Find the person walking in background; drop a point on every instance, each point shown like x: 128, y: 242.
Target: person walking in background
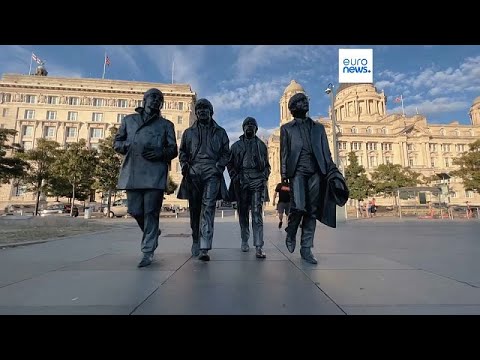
x: 283, y: 205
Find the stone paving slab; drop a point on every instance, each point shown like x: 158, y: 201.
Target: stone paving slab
x: 365, y: 267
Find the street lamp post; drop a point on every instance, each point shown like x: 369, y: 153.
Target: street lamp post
x: 330, y: 90
x: 341, y: 214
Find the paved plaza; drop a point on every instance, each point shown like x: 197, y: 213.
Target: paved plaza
x: 370, y: 266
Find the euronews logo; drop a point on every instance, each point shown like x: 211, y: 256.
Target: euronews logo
x: 355, y: 65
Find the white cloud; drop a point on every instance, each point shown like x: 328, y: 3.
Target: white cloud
x: 384, y: 84
x: 449, y: 80
x: 435, y: 106
x: 124, y: 54
x: 393, y: 75
x: 15, y: 59
x: 256, y: 94
x: 252, y: 57
x: 188, y: 62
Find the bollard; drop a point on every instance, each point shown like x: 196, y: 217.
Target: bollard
x: 235, y: 214
x: 176, y: 215
x: 222, y: 214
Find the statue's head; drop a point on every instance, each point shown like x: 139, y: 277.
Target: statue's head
x: 249, y: 127
x: 203, y: 110
x: 298, y: 105
x: 153, y: 100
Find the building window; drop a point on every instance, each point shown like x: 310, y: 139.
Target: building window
x: 373, y: 161
x: 122, y: 103
x: 442, y: 132
x: 342, y: 145
x: 7, y: 97
x: 71, y: 132
x: 356, y: 146
x: 98, y: 102
x: 369, y: 130
x: 411, y: 162
x: 410, y: 147
x: 432, y: 147
x: 29, y: 114
x: 72, y: 115
x: 453, y: 194
x: 180, y: 120
x: 372, y: 146
x: 179, y: 134
x: 20, y: 190
x: 49, y: 131
x: 432, y: 162
x: 388, y: 160
x: 27, y: 145
x: 52, y: 100
x: 120, y: 117
x: 354, y: 130
x: 5, y: 112
x: 96, y: 133
x: 386, y: 146
x: 384, y: 130
x: 97, y: 117
x: 27, y: 131
x: 73, y: 101
x: 31, y: 99
x: 460, y: 147
x: 469, y: 194
x: 51, y: 115
x: 138, y: 103
x: 447, y: 162
x: 445, y: 147
x: 180, y: 105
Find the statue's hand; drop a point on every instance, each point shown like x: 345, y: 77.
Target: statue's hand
x: 286, y: 181
x: 338, y: 184
x: 185, y: 169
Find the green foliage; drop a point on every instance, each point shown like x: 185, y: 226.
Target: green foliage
x: 357, y: 180
x: 469, y: 170
x: 11, y: 167
x: 171, y: 185
x: 389, y: 177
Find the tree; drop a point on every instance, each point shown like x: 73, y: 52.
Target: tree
x: 387, y: 178
x: 59, y: 187
x: 171, y: 185
x: 469, y: 171
x: 108, y: 166
x: 41, y: 160
x: 10, y: 167
x: 77, y: 165
x: 357, y: 181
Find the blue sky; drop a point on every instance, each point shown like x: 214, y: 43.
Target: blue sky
x: 248, y: 80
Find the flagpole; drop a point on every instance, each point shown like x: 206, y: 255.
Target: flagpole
x: 173, y: 68
x: 31, y: 60
x: 403, y: 110
x: 104, y: 65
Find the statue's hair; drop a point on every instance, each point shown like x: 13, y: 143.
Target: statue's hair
x: 204, y: 102
x: 294, y: 99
